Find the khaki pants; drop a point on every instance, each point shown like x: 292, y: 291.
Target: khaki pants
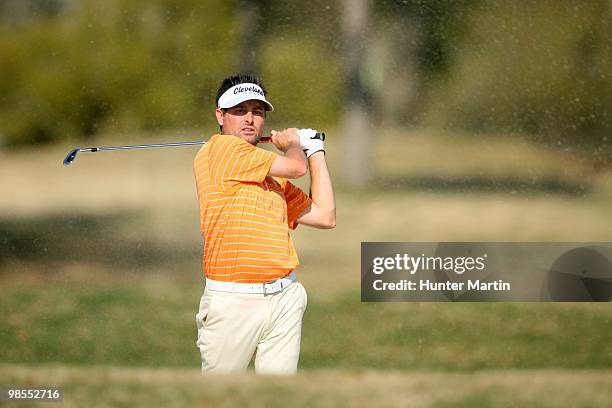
x: 233, y: 326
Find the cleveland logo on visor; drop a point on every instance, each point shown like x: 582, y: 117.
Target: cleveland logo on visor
x: 239, y: 89
x: 243, y: 92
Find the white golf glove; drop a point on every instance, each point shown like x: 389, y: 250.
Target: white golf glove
x: 309, y: 143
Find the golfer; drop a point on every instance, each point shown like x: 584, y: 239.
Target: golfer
x: 253, y: 302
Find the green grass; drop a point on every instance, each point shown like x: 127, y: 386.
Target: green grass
x: 136, y: 326
x: 97, y: 325
x: 456, y: 336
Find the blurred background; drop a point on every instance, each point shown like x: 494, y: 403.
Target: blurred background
x: 465, y: 120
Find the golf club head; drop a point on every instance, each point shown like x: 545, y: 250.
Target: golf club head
x: 71, y: 156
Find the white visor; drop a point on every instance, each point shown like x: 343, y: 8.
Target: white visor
x: 243, y: 92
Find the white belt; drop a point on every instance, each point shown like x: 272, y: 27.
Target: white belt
x: 266, y: 288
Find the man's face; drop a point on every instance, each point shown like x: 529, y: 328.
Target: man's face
x: 245, y: 120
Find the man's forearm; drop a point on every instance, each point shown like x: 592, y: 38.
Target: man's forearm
x: 298, y: 160
x: 321, y: 191
x: 291, y: 165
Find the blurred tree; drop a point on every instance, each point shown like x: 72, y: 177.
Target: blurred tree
x: 118, y: 65
x: 250, y: 26
x: 72, y: 69
x: 114, y: 65
x: 356, y: 127
x: 395, y: 51
x: 297, y: 55
x: 419, y: 39
x: 18, y: 12
x: 541, y: 68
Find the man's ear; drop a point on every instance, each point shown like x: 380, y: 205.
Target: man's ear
x: 219, y: 115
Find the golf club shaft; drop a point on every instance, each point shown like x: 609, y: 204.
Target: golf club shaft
x: 143, y: 146
x: 72, y: 154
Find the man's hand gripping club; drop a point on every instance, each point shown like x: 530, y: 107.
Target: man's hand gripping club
x: 293, y: 164
x: 311, y: 141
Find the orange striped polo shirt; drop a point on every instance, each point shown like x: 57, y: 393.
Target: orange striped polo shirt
x: 245, y: 214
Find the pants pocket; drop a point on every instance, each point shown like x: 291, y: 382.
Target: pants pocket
x: 203, y: 312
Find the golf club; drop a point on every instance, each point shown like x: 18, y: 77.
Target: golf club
x: 73, y: 153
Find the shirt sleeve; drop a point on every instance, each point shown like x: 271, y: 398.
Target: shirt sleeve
x: 234, y: 161
x: 297, y: 201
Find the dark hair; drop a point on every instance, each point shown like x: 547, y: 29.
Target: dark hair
x: 236, y: 79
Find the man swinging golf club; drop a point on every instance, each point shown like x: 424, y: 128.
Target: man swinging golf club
x: 253, y: 302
